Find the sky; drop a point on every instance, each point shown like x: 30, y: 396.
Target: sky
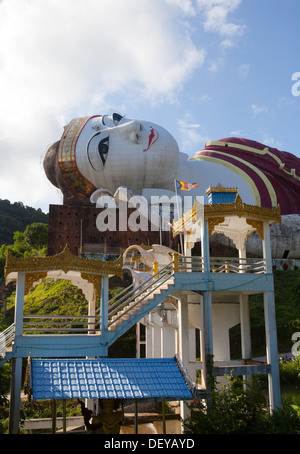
x: 202, y: 69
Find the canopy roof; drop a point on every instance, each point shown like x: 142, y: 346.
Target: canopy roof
x: 232, y: 219
x: 110, y: 378
x: 65, y: 261
x: 82, y: 272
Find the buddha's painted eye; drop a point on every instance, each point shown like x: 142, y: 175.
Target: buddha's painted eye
x: 103, y: 149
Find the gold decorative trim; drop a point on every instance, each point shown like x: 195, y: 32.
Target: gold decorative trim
x: 94, y: 279
x: 65, y: 261
x: 220, y: 188
x: 258, y: 225
x: 217, y: 210
x: 31, y: 278
x: 241, y: 209
x: 212, y: 222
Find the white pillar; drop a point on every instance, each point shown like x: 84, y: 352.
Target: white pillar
x: 205, y: 245
x: 156, y: 342
x: 167, y: 341
x: 267, y: 255
x: 206, y: 316
x: 183, y: 328
x: 272, y: 350
x: 271, y: 328
x: 15, y: 396
x: 192, y: 354
x: 245, y: 327
x: 16, y: 381
x: 104, y: 304
x: 90, y: 403
x: 149, y: 341
x: 91, y: 313
x: 207, y: 323
x: 19, y: 304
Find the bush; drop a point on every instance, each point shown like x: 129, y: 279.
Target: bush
x: 235, y: 409
x: 290, y: 372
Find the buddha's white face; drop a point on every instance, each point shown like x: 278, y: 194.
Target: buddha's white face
x: 114, y: 151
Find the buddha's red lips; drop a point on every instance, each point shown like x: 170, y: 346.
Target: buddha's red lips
x: 152, y: 138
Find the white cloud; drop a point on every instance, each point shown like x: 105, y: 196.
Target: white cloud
x: 191, y: 137
x: 262, y: 109
x: 60, y: 59
x: 270, y: 141
x: 186, y: 6
x: 216, y: 14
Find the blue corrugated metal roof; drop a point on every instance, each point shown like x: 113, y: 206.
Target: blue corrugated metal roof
x: 107, y: 378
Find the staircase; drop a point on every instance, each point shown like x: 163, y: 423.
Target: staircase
x: 6, y: 341
x: 124, y: 311
x: 133, y: 303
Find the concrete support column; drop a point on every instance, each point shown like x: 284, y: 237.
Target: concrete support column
x: 91, y: 313
x: 183, y: 331
x: 267, y: 255
x: 149, y: 341
x: 207, y: 334
x: 156, y: 342
x: 16, y: 377
x: 205, y: 246
x: 104, y: 304
x: 272, y: 351
x: 245, y: 327
x: 19, y: 304
x: 245, y: 315
x: 90, y: 403
x: 206, y: 306
x: 271, y: 328
x: 167, y: 341
x: 183, y: 328
x: 15, y: 396
x: 192, y: 353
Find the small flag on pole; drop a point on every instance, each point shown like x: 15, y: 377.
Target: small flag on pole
x: 169, y: 224
x: 186, y: 186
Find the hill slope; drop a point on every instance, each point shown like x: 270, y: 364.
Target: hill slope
x: 15, y: 217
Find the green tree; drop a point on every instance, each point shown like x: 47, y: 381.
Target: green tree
x: 36, y: 235
x: 15, y: 217
x: 31, y: 243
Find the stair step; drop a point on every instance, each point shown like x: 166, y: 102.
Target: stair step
x: 139, y: 303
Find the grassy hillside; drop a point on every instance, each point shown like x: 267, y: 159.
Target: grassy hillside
x: 63, y: 298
